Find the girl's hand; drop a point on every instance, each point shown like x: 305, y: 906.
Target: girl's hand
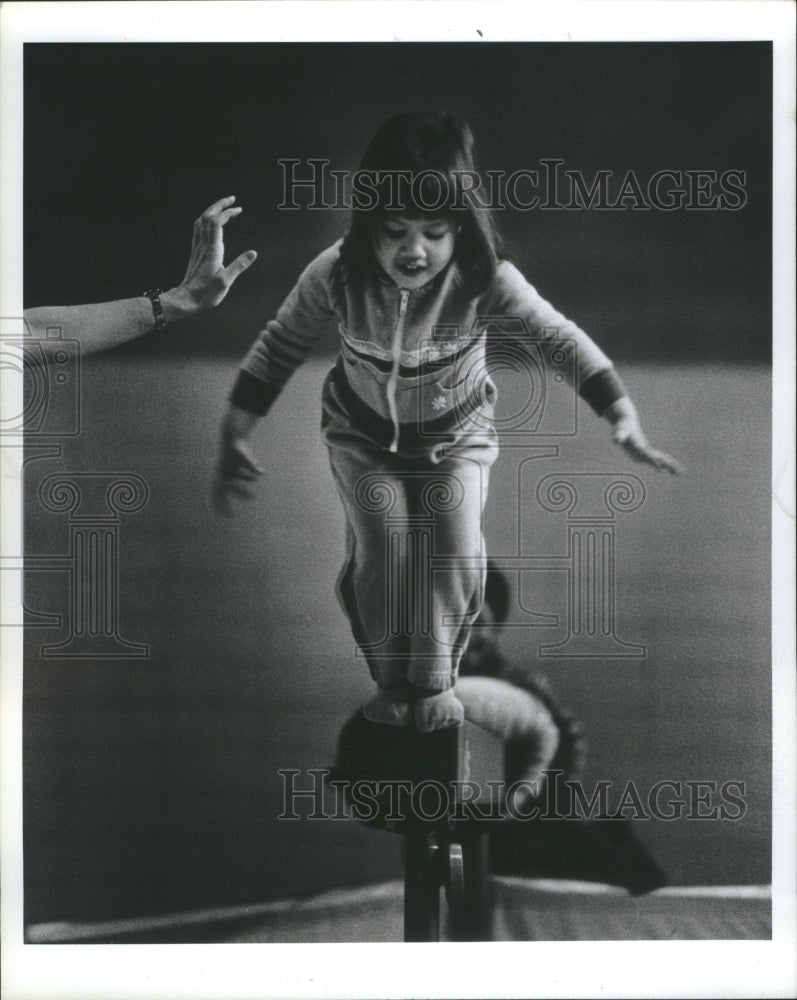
x: 634, y: 442
x: 629, y: 435
x: 237, y: 467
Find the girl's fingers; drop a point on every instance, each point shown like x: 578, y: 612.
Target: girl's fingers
x: 237, y: 479
x: 249, y: 475
x: 222, y: 493
x: 247, y: 465
x: 659, y: 460
x: 642, y: 452
x: 239, y: 463
x: 220, y: 501
x: 233, y: 486
x: 669, y: 463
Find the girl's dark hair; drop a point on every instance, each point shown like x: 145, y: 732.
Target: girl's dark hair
x: 415, y: 144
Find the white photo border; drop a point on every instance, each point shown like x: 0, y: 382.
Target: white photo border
x: 616, y: 969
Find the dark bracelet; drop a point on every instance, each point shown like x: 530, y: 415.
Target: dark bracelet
x: 154, y: 296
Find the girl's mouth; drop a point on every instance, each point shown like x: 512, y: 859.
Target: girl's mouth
x: 411, y: 268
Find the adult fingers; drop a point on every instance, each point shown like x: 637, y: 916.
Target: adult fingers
x: 224, y: 217
x: 208, y: 244
x: 217, y: 207
x: 216, y: 216
x: 238, y: 266
x: 207, y: 228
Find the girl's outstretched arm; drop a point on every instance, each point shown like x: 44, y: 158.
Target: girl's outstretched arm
x: 278, y: 350
x: 598, y: 383
x: 629, y: 435
x: 236, y: 469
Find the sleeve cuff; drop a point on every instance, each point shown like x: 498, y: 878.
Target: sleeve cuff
x: 252, y: 394
x: 602, y: 389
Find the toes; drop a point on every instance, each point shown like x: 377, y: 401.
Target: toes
x: 387, y: 711
x: 440, y: 711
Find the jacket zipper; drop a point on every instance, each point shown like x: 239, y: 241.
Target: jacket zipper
x: 392, y: 382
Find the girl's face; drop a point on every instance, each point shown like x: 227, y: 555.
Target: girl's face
x: 413, y: 251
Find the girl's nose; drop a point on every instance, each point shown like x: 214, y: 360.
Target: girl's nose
x: 412, y: 245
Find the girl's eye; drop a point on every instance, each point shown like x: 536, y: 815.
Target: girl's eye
x: 397, y: 232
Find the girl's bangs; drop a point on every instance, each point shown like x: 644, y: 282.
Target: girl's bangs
x: 429, y: 194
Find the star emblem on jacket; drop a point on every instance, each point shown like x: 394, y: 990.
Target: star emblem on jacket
x: 439, y: 403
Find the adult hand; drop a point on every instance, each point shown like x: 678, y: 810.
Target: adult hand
x: 207, y: 280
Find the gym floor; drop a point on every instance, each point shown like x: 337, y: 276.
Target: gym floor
x: 152, y: 785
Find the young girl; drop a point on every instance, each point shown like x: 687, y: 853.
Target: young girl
x: 408, y: 407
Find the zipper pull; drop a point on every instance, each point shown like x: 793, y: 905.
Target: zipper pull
x: 405, y: 297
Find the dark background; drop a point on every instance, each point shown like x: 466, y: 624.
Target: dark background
x: 126, y: 144
x: 152, y: 786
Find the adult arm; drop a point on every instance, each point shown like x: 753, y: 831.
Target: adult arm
x: 99, y: 326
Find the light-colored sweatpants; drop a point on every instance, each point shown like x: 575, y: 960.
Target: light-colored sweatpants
x: 413, y: 579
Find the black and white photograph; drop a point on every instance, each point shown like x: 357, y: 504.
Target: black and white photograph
x: 398, y: 485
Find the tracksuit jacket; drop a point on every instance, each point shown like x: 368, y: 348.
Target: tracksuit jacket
x: 416, y: 359
x: 409, y: 407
